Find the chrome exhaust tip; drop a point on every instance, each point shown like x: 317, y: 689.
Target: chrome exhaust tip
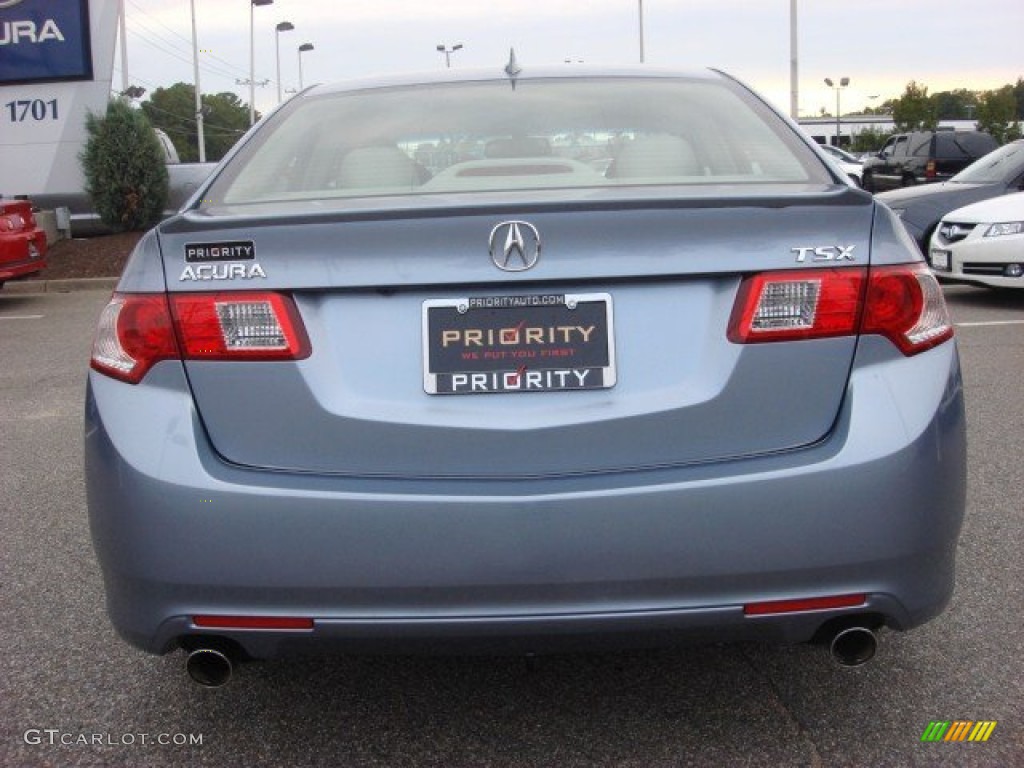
x: 209, y: 667
x: 853, y: 646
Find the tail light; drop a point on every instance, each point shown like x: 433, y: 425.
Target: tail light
x: 138, y: 330
x: 929, y: 170
x: 904, y: 303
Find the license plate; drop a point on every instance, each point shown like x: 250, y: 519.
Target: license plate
x: 515, y: 344
x: 940, y: 260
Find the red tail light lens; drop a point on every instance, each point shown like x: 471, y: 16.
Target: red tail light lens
x: 804, y: 304
x: 134, y: 332
x: 138, y: 330
x: 904, y: 303
x: 239, y: 326
x: 929, y: 170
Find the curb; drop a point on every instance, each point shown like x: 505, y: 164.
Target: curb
x: 61, y: 286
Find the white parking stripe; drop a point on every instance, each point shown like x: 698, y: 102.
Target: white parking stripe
x: 21, y: 317
x: 989, y: 323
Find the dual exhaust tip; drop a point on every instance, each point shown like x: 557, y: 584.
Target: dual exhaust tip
x: 853, y: 646
x: 209, y: 667
x: 849, y: 647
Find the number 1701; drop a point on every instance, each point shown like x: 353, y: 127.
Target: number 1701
x: 35, y: 109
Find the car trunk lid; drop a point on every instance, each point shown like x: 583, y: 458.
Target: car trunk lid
x: 658, y: 279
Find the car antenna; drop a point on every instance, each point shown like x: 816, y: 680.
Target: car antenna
x: 512, y: 69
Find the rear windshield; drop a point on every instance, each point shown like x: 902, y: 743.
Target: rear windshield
x: 963, y: 145
x: 541, y: 134
x: 1001, y: 165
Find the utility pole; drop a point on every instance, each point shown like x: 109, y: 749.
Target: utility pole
x: 201, y: 137
x: 794, y: 77
x: 640, y: 4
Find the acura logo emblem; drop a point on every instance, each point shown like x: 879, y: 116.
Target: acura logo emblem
x: 515, y: 246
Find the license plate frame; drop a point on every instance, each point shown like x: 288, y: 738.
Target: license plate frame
x: 513, y: 344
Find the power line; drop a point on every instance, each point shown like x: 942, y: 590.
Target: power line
x: 186, y: 57
x: 193, y: 121
x: 228, y: 70
x: 187, y: 40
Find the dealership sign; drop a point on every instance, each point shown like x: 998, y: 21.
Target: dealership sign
x: 44, y: 40
x: 56, y: 61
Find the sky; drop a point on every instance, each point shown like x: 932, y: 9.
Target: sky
x: 880, y: 45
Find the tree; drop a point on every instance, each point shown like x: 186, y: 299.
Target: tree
x: 124, y: 169
x: 997, y: 114
x: 914, y: 111
x: 955, y: 105
x: 173, y: 110
x: 869, y: 140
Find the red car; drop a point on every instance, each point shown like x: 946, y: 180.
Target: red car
x: 22, y: 242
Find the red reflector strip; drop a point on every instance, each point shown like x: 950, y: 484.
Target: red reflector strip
x: 252, y: 622
x: 806, y: 604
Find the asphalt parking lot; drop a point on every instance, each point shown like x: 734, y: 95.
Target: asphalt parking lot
x: 72, y: 693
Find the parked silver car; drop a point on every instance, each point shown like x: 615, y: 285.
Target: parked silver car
x: 522, y: 362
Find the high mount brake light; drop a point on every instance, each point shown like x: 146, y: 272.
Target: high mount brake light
x: 904, y: 303
x: 138, y: 330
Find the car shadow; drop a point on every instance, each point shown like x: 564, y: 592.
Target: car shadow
x: 982, y: 297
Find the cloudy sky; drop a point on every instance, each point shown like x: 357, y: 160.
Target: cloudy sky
x: 879, y: 44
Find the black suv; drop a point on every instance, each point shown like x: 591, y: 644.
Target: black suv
x: 924, y: 156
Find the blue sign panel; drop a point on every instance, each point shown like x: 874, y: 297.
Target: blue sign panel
x: 44, y: 40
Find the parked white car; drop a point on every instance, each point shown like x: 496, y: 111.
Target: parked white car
x: 851, y: 166
x: 982, y: 243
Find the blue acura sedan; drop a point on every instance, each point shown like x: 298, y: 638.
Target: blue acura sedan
x: 511, y: 362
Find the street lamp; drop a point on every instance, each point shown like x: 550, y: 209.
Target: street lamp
x: 284, y: 26
x: 640, y: 9
x: 442, y: 48
x: 842, y: 84
x: 252, y: 57
x: 302, y: 49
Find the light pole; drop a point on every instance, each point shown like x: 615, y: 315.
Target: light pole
x: 640, y: 9
x: 284, y: 26
x: 442, y: 48
x: 252, y: 56
x: 843, y: 82
x: 302, y: 49
x: 794, y: 59
x: 124, y: 45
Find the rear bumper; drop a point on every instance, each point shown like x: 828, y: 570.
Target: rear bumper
x: 530, y: 565
x: 22, y: 255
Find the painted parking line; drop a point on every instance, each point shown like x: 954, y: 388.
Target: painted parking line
x: 989, y: 323
x: 21, y: 317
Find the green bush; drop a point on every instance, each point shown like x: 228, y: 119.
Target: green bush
x: 124, y: 169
